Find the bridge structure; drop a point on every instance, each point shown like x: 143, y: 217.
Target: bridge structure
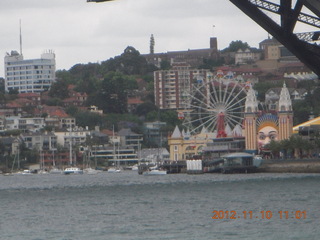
x: 303, y: 45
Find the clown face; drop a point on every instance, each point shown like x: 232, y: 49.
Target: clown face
x: 266, y: 134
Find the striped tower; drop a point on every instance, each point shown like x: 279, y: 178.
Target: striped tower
x: 285, y: 114
x: 250, y: 119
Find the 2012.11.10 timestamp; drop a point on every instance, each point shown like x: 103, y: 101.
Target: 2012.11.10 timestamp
x: 226, y: 214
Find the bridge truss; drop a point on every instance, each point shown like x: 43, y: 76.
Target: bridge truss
x: 302, y: 45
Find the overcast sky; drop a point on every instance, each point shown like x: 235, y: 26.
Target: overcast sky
x: 81, y: 32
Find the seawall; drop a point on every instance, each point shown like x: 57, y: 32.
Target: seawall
x: 290, y: 166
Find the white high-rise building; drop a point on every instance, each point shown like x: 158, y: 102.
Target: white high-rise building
x: 32, y: 75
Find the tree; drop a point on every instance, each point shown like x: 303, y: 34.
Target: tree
x: 112, y: 94
x: 144, y: 108
x: 301, y: 111
x: 165, y: 65
x: 59, y: 89
x: 275, y: 147
x: 88, y: 119
x: 235, y: 46
x: 130, y: 62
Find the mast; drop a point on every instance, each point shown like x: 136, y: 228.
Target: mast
x: 114, y: 146
x: 70, y: 147
x: 20, y: 39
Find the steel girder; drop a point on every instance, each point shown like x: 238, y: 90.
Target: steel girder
x: 306, y: 52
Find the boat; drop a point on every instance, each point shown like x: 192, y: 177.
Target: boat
x: 135, y: 167
x: 24, y: 172
x: 154, y: 172
x: 72, y: 170
x: 90, y: 170
x: 42, y: 171
x: 55, y: 171
x: 114, y: 170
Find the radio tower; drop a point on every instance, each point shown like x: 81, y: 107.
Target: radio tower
x: 20, y: 39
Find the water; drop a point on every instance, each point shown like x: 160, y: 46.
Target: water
x: 130, y: 206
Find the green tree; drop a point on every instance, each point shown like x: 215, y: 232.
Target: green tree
x: 275, y: 147
x: 165, y: 65
x: 130, y: 62
x: 59, y: 89
x: 112, y: 94
x: 144, y: 108
x: 302, y: 111
x: 235, y: 46
x: 88, y: 119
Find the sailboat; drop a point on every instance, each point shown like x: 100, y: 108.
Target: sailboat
x: 42, y: 170
x: 71, y: 169
x: 117, y: 168
x: 17, y: 158
x: 54, y: 169
x: 89, y: 169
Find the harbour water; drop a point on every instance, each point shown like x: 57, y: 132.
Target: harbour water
x: 178, y: 206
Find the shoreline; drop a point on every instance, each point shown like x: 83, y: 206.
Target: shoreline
x: 290, y: 166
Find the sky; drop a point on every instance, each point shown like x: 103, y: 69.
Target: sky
x: 81, y: 32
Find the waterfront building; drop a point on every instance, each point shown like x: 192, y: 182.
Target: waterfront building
x: 153, y: 155
x: 129, y: 138
x: 41, y: 141
x: 30, y: 75
x: 114, y: 155
x: 77, y: 136
x: 205, y: 145
x: 184, y: 146
x: 153, y: 133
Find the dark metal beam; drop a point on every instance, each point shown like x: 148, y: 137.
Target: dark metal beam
x: 278, y: 9
x: 308, y: 53
x: 313, y: 5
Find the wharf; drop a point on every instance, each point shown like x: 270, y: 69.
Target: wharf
x: 267, y: 166
x: 290, y: 166
x: 169, y: 166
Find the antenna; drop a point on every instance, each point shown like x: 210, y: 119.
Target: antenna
x: 20, y: 39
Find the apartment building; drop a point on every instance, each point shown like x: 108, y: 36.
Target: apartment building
x: 24, y: 124
x: 40, y: 141
x: 172, y: 87
x: 32, y: 75
x: 77, y: 136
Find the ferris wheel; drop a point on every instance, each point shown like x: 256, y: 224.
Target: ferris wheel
x: 217, y: 102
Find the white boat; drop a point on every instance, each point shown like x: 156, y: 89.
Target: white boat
x: 135, y: 168
x: 90, y: 171
x: 73, y: 170
x: 155, y: 172
x: 24, y: 172
x: 43, y: 172
x: 55, y: 171
x: 114, y: 170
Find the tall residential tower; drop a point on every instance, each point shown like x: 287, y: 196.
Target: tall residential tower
x: 32, y: 75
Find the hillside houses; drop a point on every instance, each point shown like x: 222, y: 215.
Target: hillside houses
x: 272, y: 96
